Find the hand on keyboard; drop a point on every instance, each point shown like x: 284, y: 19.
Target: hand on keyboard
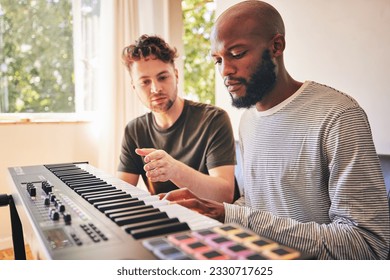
x: 188, y: 199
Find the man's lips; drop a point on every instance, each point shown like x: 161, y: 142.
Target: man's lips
x: 233, y: 87
x: 158, y: 99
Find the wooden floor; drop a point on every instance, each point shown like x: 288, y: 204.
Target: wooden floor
x: 8, y: 254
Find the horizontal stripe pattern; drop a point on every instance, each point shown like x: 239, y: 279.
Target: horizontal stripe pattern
x: 312, y: 178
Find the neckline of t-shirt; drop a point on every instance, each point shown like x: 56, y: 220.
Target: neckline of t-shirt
x: 175, y: 124
x: 282, y: 104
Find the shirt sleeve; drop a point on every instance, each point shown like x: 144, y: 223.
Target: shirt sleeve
x: 221, y: 150
x: 359, y: 214
x: 129, y: 161
x: 240, y: 201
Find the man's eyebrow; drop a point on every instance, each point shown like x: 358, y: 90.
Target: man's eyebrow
x: 158, y: 74
x: 163, y: 72
x: 236, y: 46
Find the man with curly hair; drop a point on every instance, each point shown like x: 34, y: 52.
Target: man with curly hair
x: 179, y: 143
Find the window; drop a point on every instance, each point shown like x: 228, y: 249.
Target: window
x: 44, y: 43
x: 49, y: 54
x: 199, y: 70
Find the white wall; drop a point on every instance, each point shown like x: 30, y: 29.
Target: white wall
x: 23, y: 144
x: 164, y: 19
x: 340, y: 43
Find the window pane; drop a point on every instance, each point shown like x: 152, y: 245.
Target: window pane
x: 86, y: 49
x: 199, y: 71
x: 48, y: 55
x: 36, y: 57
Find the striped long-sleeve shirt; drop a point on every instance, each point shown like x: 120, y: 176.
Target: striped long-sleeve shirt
x: 312, y: 178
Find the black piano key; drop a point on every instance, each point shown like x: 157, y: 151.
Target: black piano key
x: 159, y: 230
x: 133, y: 213
x: 139, y: 218
x: 124, y: 209
x: 86, y: 184
x: 71, y: 169
x: 81, y: 180
x: 81, y: 176
x: 152, y: 223
x: 127, y: 203
x: 80, y: 173
x: 78, y: 177
x: 108, y: 198
x: 71, y: 172
x: 68, y: 175
x: 97, y: 185
x: 67, y: 170
x: 119, y: 200
x: 53, y: 168
x: 91, y: 189
x: 99, y: 192
x: 89, y: 186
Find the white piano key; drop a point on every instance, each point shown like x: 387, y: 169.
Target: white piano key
x: 157, y: 203
x: 194, y: 220
x: 151, y: 198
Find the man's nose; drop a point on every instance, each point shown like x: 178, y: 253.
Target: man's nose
x: 226, y: 68
x: 155, y: 87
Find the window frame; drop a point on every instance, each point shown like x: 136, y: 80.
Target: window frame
x: 80, y: 114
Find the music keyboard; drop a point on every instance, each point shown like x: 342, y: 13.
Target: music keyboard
x: 75, y: 211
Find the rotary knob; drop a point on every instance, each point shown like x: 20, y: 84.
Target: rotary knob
x: 67, y: 218
x: 46, y: 201
x: 54, y: 215
x: 52, y: 197
x: 46, y: 187
x: 60, y: 206
x: 31, y: 189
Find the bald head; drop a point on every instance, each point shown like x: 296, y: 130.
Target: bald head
x: 254, y: 17
x: 247, y: 45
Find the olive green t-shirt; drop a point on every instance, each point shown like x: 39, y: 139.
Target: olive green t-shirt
x: 202, y: 138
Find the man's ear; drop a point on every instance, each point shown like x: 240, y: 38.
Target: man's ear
x: 177, y: 74
x: 278, y: 45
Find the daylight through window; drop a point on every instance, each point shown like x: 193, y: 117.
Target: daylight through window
x: 43, y: 44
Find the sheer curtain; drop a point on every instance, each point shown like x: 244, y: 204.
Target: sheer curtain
x: 117, y: 104
x: 122, y: 22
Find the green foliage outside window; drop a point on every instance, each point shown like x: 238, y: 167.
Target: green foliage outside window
x: 36, y: 56
x: 199, y: 71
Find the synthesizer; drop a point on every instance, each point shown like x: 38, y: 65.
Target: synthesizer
x: 75, y: 211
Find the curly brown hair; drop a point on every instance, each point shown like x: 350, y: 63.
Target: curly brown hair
x: 149, y: 46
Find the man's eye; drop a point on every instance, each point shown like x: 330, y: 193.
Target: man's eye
x: 162, y: 78
x: 217, y: 61
x: 238, y: 55
x: 145, y: 83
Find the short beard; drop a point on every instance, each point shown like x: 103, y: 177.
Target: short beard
x: 259, y: 85
x: 164, y: 107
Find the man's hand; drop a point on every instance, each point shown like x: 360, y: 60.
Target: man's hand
x: 188, y: 199
x: 159, y: 165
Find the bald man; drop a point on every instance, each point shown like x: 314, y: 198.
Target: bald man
x: 312, y: 178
